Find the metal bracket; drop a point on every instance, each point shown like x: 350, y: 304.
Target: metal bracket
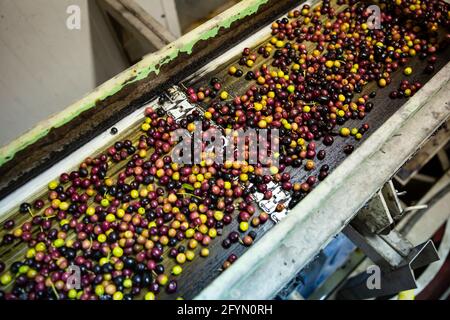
x: 375, y: 216
x: 279, y: 196
x: 379, y: 214
x: 177, y: 104
x: 392, y: 200
x: 396, y: 257
x: 431, y: 148
x: 137, y: 32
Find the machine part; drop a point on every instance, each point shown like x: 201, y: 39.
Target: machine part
x: 374, y: 218
x: 394, y: 254
x: 417, y: 227
x: 388, y: 252
x: 393, y: 278
x: 425, y: 178
x: 427, y: 222
x: 375, y: 215
x: 392, y: 251
x: 356, y: 288
x: 175, y: 94
x: 415, y: 208
x: 278, y: 216
x: 178, y: 105
x: 428, y: 275
x: 420, y: 225
x: 443, y: 159
x: 424, y: 155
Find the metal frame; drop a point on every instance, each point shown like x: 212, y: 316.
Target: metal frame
x: 429, y: 274
x: 435, y: 212
x: 375, y: 216
x: 395, y: 255
x: 417, y: 227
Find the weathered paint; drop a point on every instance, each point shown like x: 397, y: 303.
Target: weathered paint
x: 151, y: 63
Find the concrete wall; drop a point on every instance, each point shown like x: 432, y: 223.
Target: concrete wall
x: 44, y: 66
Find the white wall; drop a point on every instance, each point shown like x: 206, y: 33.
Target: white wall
x: 44, y: 67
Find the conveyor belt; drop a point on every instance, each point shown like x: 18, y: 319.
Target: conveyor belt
x: 199, y: 273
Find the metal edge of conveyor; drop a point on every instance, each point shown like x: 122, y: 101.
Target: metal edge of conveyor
x: 417, y: 227
x: 439, y: 213
x: 428, y: 275
x: 288, y: 247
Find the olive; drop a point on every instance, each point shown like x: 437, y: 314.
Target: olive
x: 25, y: 208
x: 226, y: 243
x: 348, y: 149
x: 172, y: 287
